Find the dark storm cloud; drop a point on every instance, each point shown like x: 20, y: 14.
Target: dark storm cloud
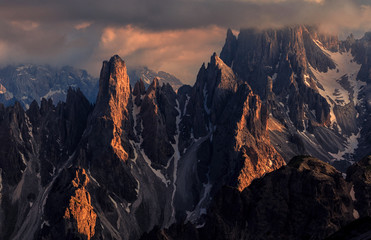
x: 170, y: 35
x: 175, y: 14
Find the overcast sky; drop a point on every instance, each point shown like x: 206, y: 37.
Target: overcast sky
x: 170, y: 35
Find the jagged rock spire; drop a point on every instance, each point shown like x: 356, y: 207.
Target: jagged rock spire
x: 113, y: 81
x: 113, y: 98
x: 229, y: 49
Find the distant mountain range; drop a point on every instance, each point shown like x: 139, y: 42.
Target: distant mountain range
x: 147, y: 75
x: 25, y: 83
x: 226, y: 158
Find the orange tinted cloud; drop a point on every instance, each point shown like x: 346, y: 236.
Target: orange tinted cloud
x: 180, y: 52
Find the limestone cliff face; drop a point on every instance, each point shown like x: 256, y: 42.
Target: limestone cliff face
x: 283, y: 56
x: 80, y: 212
x: 228, y: 122
x: 106, y: 142
x: 112, y: 101
x: 309, y: 82
x: 253, y: 143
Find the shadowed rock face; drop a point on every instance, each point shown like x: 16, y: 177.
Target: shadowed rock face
x: 356, y: 230
x: 36, y: 143
x: 360, y: 175
x: 307, y: 199
x: 236, y: 120
x: 257, y: 54
x: 158, y: 115
x: 227, y: 122
x: 291, y: 69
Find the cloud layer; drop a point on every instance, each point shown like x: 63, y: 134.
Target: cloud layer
x: 171, y: 35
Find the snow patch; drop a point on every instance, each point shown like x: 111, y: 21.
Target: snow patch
x: 355, y: 214
x: 92, y: 178
x: 176, y: 158
x: 158, y: 173
x: 45, y: 223
x: 117, y: 211
x: 350, y: 146
x: 274, y: 77
x: 23, y: 158
x: 186, y: 104
x: 138, y: 188
x: 329, y: 83
x: 51, y: 93
x: 199, y: 210
x: 306, y: 80
x: 127, y: 209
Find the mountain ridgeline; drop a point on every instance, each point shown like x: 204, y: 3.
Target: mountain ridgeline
x: 315, y: 86
x: 27, y: 82
x: 123, y: 166
x: 202, y: 162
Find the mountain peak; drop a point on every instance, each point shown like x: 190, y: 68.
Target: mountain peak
x: 229, y: 49
x: 214, y: 59
x: 113, y: 79
x: 113, y: 98
x: 139, y: 88
x: 230, y: 34
x: 116, y: 58
x: 153, y: 85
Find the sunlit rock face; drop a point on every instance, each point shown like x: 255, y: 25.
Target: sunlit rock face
x: 80, y: 213
x: 253, y: 143
x: 112, y: 102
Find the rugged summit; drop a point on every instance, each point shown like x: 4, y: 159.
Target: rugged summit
x: 315, y: 86
x: 112, y: 105
x: 135, y: 160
